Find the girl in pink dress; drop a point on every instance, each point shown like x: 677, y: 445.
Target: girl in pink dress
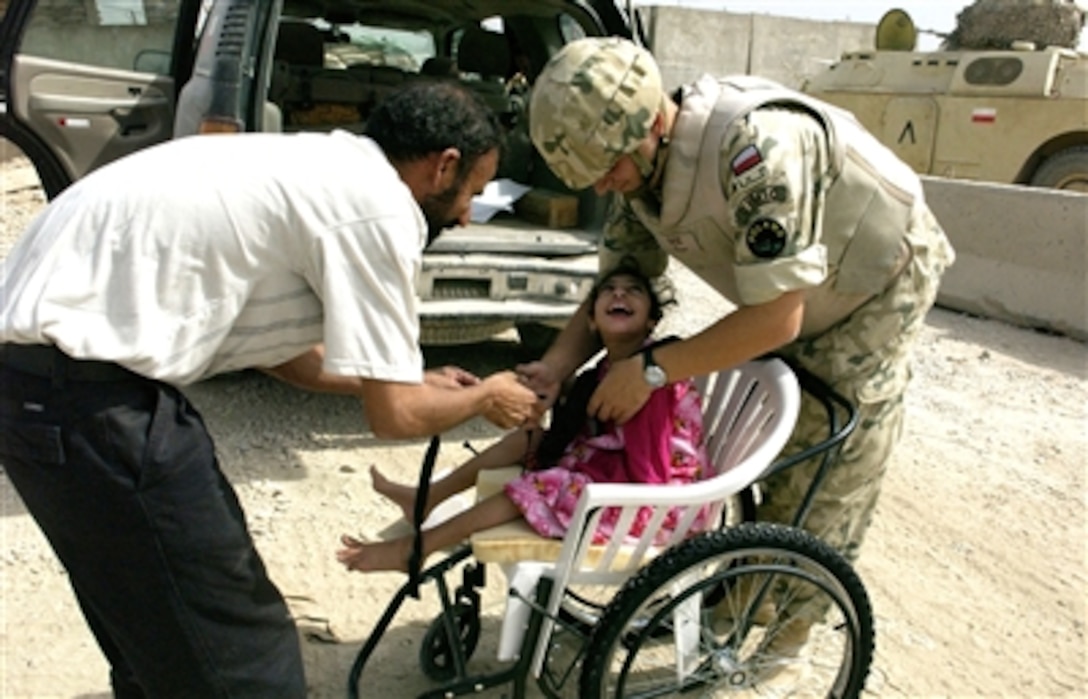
x: 662, y: 443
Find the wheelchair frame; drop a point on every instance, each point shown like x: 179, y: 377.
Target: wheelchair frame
x: 762, y: 551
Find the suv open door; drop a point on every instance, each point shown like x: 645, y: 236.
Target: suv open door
x: 87, y: 81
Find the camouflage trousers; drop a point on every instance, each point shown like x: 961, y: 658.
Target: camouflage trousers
x: 866, y: 358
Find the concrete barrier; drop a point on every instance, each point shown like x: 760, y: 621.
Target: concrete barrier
x: 1022, y: 253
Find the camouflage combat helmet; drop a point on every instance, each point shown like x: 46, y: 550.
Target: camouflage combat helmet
x: 594, y: 102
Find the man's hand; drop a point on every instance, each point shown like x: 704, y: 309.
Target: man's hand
x: 511, y: 402
x: 450, y: 377
x: 621, y: 393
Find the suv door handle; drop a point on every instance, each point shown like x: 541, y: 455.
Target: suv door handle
x: 93, y: 105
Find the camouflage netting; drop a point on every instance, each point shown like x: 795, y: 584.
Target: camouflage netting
x: 995, y: 24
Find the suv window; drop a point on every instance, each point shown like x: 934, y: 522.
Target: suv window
x: 358, y: 44
x: 124, y: 34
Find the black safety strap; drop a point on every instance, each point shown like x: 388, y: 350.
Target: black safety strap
x: 415, y: 559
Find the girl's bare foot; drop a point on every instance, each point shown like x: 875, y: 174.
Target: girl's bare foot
x: 368, y: 557
x: 402, y: 496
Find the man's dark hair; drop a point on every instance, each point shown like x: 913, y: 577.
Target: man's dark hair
x: 431, y: 116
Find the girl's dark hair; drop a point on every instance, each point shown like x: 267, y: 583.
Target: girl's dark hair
x: 431, y: 116
x: 659, y: 289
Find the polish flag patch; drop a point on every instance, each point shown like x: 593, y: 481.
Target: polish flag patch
x: 746, y: 160
x: 983, y: 115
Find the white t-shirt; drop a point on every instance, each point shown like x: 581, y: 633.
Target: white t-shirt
x: 216, y: 253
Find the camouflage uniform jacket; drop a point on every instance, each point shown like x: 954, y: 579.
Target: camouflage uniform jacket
x: 767, y: 191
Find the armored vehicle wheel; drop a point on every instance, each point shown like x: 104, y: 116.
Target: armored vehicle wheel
x: 1066, y: 169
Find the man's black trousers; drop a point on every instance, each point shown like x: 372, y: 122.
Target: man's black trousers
x: 121, y: 476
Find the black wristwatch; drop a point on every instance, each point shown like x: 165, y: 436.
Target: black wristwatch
x: 652, y: 372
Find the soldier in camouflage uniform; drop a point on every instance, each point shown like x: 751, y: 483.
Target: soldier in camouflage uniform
x: 786, y: 206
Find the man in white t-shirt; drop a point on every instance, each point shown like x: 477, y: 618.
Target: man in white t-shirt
x: 293, y: 254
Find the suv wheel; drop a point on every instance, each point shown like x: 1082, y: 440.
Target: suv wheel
x: 459, y: 333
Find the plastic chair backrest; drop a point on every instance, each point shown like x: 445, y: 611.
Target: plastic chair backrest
x: 748, y: 415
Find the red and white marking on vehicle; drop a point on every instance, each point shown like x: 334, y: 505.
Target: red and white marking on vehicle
x: 983, y: 115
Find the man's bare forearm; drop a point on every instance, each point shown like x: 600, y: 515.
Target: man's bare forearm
x: 307, y: 371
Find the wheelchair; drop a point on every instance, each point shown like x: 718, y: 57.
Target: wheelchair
x: 689, y: 612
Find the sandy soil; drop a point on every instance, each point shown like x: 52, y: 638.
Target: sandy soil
x: 975, y: 564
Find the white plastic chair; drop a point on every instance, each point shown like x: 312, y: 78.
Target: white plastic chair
x: 749, y: 412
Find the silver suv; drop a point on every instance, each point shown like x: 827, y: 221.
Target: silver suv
x: 83, y: 83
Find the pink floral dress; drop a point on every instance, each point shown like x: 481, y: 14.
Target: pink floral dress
x: 662, y: 443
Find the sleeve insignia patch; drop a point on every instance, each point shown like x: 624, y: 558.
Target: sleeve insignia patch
x: 746, y: 160
x: 766, y: 238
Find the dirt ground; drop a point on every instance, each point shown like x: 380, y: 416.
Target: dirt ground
x: 975, y: 562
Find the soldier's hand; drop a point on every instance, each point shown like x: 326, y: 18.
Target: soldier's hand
x: 621, y: 393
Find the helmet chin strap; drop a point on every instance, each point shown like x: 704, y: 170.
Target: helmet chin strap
x: 645, y: 166
x: 651, y: 169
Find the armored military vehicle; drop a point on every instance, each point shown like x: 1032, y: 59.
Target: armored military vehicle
x: 1005, y: 98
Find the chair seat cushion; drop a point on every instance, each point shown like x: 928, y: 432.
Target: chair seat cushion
x: 514, y: 541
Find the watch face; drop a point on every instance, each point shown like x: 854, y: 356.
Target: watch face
x: 654, y: 375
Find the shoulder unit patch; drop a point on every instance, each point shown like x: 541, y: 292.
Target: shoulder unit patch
x: 766, y: 238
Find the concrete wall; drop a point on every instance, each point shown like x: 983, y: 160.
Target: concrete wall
x: 1022, y: 253
x: 688, y: 43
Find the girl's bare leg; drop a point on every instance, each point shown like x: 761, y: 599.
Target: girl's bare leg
x: 393, y: 554
x: 402, y: 496
x: 508, y: 451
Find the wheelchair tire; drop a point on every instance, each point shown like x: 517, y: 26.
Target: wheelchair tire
x: 661, y: 637
x: 436, y: 653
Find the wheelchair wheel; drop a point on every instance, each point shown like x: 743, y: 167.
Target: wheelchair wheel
x: 435, y: 652
x: 664, y: 634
